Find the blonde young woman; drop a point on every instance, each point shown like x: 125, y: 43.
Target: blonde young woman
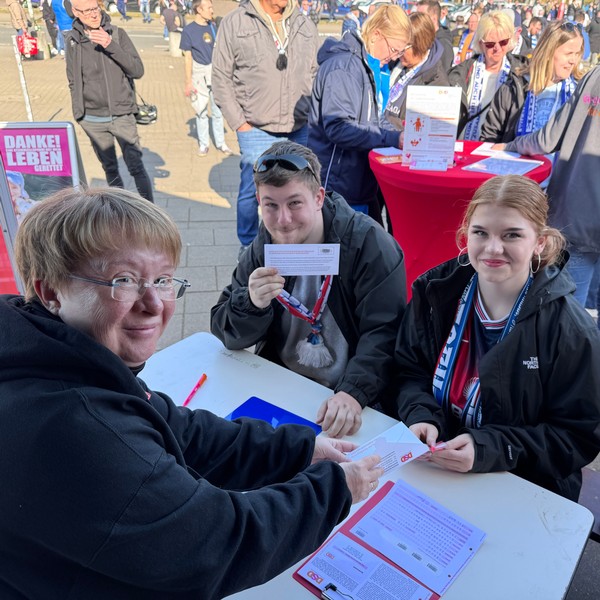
x: 343, y: 122
x: 499, y: 366
x: 534, y: 93
x: 482, y: 74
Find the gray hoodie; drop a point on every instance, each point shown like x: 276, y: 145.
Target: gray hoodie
x: 574, y: 188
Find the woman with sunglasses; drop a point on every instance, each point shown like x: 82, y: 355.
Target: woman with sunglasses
x: 343, y: 122
x: 482, y: 74
x: 110, y: 490
x: 419, y: 64
x: 532, y: 94
x: 498, y: 365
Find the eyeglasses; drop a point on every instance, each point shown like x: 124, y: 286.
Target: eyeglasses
x: 490, y: 45
x: 129, y: 289
x: 393, y: 52
x: 88, y: 11
x: 289, y: 162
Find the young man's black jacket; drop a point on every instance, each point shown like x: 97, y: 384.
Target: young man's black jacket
x: 367, y: 301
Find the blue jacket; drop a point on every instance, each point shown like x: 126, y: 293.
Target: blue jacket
x: 63, y: 19
x: 343, y: 122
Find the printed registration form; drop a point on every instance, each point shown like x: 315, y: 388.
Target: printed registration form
x: 420, y: 535
x: 400, y: 545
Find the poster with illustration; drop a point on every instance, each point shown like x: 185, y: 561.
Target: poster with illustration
x: 430, y: 126
x: 37, y: 160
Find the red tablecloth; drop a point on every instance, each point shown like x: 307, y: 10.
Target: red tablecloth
x: 426, y: 207
x: 7, y: 280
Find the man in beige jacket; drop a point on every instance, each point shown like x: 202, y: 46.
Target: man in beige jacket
x: 264, y: 63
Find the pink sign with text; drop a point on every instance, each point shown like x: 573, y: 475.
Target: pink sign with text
x: 36, y: 151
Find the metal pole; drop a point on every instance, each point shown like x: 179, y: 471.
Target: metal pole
x: 22, y: 79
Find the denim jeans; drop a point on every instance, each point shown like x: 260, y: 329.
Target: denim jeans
x: 123, y: 129
x: 581, y: 266
x: 252, y: 144
x: 145, y: 10
x: 201, y: 80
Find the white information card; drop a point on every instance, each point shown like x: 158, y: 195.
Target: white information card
x: 303, y: 259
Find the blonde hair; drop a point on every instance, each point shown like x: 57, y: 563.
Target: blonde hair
x: 499, y: 21
x: 423, y: 33
x: 540, y: 68
x: 73, y: 227
x: 524, y: 195
x: 390, y: 20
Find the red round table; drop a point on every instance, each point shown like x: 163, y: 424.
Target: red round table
x: 426, y: 207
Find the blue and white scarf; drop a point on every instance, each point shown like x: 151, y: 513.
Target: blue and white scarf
x: 447, y: 361
x: 472, y: 127
x: 527, y: 118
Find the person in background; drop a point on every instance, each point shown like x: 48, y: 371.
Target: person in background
x: 346, y: 342
x: 533, y: 31
x: 352, y: 19
x: 171, y: 20
x: 50, y: 21
x: 197, y: 42
x: 18, y: 18
x: 498, y: 365
x: 64, y: 20
x: 533, y: 93
x: 144, y: 6
x: 122, y: 9
x: 343, y: 120
x: 102, y: 62
x: 573, y: 132
x: 264, y: 63
x: 466, y: 45
x: 580, y: 22
x: 420, y: 64
x: 594, y: 34
x: 442, y: 33
x: 107, y: 477
x: 482, y: 74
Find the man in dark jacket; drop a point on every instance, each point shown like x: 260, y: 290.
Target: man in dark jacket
x: 101, y: 64
x: 442, y: 34
x: 593, y: 30
x: 346, y: 342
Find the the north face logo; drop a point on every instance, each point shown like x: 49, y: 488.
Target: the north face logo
x: 532, y: 363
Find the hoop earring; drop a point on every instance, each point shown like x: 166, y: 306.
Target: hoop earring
x: 463, y: 252
x: 539, y: 262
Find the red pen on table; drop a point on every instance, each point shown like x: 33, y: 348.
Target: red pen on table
x: 196, y: 388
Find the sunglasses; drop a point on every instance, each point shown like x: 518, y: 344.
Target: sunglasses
x: 289, y: 162
x: 490, y: 45
x: 571, y: 27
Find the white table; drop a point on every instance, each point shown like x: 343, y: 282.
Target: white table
x: 534, y: 538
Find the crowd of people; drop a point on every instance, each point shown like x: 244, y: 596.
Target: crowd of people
x: 115, y: 491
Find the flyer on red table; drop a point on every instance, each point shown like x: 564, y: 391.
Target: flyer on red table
x: 431, y: 125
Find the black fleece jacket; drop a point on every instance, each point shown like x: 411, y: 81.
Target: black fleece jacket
x: 540, y: 386
x: 110, y: 491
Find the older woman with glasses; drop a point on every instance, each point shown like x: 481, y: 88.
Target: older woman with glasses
x: 482, y: 74
x: 419, y: 64
x: 343, y: 122
x: 532, y: 94
x: 109, y: 489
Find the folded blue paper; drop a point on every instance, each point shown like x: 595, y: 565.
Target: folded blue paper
x: 255, y: 408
